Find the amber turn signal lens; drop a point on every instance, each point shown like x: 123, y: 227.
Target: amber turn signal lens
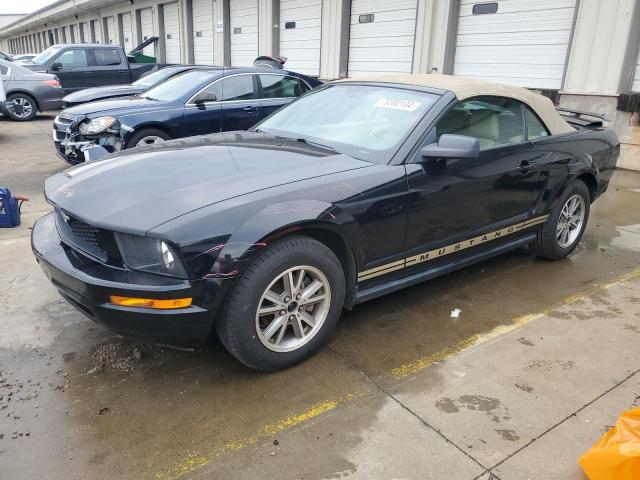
x: 150, y: 302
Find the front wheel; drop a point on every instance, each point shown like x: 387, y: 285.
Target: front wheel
x: 284, y: 306
x: 563, y: 230
x: 147, y: 136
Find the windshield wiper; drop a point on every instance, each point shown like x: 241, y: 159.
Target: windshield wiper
x: 309, y: 142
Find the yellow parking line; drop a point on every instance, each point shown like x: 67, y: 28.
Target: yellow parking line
x: 196, y: 460
x: 424, y: 362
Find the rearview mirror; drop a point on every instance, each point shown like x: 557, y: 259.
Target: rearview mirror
x: 55, y: 66
x: 452, y: 146
x: 205, y: 97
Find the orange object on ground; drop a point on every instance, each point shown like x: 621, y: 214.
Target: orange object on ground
x: 616, y: 456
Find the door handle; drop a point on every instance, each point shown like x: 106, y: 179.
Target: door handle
x: 250, y: 109
x: 526, y: 165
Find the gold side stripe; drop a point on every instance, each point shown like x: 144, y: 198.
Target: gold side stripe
x: 382, y: 272
x: 456, y: 247
x: 382, y: 267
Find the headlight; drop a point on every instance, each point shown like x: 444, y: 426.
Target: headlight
x: 149, y: 255
x: 97, y: 125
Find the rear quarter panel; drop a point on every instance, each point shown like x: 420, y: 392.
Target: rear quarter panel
x: 565, y: 157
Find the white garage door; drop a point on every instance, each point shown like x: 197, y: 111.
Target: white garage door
x: 523, y: 43
x: 85, y: 37
x: 300, y: 22
x: 146, y: 26
x: 381, y: 36
x: 111, y: 31
x: 635, y: 87
x: 203, y: 32
x: 244, y: 32
x: 98, y: 31
x: 172, y: 32
x: 127, y: 32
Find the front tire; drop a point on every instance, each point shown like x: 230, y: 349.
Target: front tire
x: 147, y: 136
x: 567, y: 221
x: 284, y: 306
x: 20, y: 107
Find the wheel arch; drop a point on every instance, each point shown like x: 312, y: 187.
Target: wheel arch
x: 589, y: 179
x: 24, y: 92
x: 319, y: 220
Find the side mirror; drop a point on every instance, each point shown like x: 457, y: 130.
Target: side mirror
x: 55, y: 66
x: 205, y: 97
x: 452, y: 146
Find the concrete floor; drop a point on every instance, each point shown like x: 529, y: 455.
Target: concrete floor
x: 542, y: 359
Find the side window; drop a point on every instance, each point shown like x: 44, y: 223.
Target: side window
x: 4, y: 70
x: 535, y: 127
x: 280, y: 86
x: 107, y: 56
x: 76, y: 58
x: 494, y: 121
x: 239, y: 87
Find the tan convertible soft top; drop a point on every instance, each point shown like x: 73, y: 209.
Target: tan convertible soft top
x: 466, y: 87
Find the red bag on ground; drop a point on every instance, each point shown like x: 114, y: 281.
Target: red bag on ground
x: 616, y: 456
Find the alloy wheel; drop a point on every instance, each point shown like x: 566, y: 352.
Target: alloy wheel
x: 149, y: 140
x: 293, y: 308
x: 21, y: 107
x: 570, y: 221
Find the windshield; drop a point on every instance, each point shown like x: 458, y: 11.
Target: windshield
x: 154, y: 78
x: 45, y: 56
x: 366, y: 122
x: 176, y: 87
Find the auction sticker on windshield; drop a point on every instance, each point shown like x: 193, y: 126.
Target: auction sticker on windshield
x: 398, y: 104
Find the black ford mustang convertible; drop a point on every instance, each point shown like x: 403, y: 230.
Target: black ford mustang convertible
x: 357, y: 189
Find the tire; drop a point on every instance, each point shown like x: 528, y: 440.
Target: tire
x: 147, y: 133
x: 548, y: 244
x: 25, y: 111
x: 245, y: 333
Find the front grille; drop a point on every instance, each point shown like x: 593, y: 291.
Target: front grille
x: 81, y: 236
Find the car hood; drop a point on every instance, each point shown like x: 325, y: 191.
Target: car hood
x: 116, y: 106
x: 139, y: 189
x: 89, y: 94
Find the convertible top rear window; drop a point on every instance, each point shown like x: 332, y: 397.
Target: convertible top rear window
x: 364, y: 121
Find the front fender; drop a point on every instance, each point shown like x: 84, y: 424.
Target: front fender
x: 278, y: 220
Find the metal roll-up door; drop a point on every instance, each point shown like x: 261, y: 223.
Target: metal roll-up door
x: 635, y: 86
x: 203, y: 32
x: 171, y: 21
x: 85, y: 36
x: 516, y: 42
x: 381, y: 36
x: 244, y: 32
x: 300, y: 32
x: 127, y: 32
x: 112, y: 34
x: 96, y: 30
x: 146, y: 27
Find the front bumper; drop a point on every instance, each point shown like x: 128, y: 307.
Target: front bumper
x: 86, y: 285
x: 69, y: 144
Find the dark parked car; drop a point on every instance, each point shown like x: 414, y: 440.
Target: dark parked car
x: 83, y: 65
x: 145, y: 82
x: 206, y: 100
x: 28, y: 92
x: 357, y: 189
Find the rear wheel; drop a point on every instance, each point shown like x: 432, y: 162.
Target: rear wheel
x: 563, y: 230
x: 284, y: 306
x: 147, y: 136
x: 20, y: 107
